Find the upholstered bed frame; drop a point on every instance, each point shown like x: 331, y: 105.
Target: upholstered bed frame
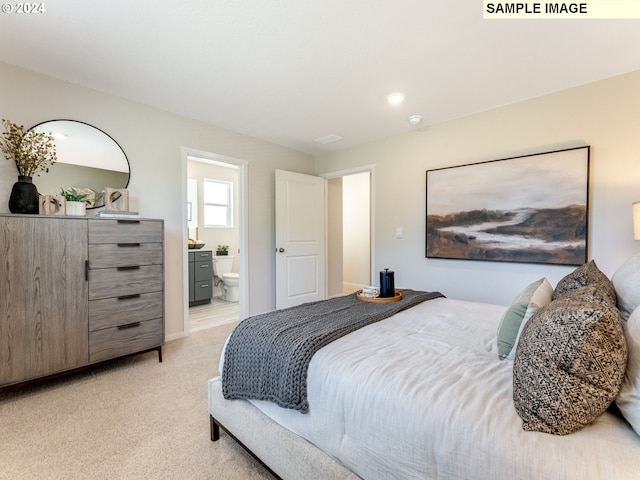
x: 278, y: 449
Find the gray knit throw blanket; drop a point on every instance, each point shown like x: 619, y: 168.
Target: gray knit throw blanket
x: 267, y: 356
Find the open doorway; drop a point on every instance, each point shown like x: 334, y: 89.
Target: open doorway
x: 349, y: 227
x: 215, y: 223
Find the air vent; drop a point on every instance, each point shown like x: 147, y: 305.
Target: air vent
x: 328, y: 139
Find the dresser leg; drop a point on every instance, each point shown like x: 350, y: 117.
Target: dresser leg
x: 160, y: 354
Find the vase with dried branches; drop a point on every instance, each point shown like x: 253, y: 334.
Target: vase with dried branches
x: 33, y: 152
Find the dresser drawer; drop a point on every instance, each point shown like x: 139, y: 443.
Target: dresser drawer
x: 118, y: 282
x: 112, y: 312
x: 106, y: 255
x: 125, y: 231
x: 125, y: 339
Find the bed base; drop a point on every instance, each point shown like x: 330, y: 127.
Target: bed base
x: 284, y: 454
x: 215, y: 436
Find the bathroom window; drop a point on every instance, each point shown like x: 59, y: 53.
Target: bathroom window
x: 218, y: 208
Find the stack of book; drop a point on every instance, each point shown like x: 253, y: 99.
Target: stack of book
x: 117, y: 214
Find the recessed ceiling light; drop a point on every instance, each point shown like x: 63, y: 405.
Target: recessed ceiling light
x: 415, y: 119
x: 395, y: 98
x: 328, y: 139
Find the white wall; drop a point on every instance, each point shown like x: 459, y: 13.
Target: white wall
x: 334, y: 237
x: 356, y: 229
x: 605, y: 115
x: 152, y: 140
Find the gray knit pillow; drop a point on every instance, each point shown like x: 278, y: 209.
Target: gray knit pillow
x: 587, y: 274
x: 570, y: 363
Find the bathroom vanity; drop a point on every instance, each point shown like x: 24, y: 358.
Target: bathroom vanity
x: 200, y: 277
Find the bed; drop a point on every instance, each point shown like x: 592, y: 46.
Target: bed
x: 450, y: 389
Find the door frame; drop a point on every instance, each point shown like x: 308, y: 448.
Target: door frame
x: 372, y: 194
x: 243, y: 264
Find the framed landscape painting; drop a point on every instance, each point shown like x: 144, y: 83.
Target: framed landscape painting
x: 531, y: 209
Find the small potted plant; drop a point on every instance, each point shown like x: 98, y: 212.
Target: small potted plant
x: 222, y: 250
x: 32, y: 152
x: 76, y: 202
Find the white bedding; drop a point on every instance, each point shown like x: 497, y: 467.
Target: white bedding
x: 424, y: 395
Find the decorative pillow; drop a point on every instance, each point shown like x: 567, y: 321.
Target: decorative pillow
x: 628, y: 400
x: 587, y: 274
x: 534, y: 296
x: 570, y: 363
x: 593, y: 293
x: 626, y: 281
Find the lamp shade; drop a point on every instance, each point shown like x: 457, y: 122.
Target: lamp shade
x: 636, y: 220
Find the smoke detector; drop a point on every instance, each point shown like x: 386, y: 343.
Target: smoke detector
x: 415, y: 119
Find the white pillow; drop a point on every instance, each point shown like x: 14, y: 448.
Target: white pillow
x: 628, y: 400
x: 534, y: 296
x: 626, y: 281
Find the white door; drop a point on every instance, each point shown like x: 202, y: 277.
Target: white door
x: 300, y: 238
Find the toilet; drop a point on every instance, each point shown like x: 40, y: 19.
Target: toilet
x: 228, y: 281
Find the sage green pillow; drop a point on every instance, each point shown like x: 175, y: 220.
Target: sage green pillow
x: 533, y: 297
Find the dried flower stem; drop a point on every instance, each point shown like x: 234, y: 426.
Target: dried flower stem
x: 31, y: 151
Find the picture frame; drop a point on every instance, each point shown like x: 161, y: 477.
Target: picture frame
x: 527, y: 209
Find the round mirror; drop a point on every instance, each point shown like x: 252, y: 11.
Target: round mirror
x: 89, y: 160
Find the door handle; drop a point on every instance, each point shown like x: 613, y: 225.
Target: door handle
x: 281, y: 250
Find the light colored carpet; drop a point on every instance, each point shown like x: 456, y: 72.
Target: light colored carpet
x: 132, y: 418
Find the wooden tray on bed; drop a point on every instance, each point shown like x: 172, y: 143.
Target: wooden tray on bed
x: 398, y: 296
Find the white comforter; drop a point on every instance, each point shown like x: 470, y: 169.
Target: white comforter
x: 423, y: 395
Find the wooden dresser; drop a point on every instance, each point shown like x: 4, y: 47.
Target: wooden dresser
x: 76, y: 291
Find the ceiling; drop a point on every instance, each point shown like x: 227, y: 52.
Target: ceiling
x: 292, y: 71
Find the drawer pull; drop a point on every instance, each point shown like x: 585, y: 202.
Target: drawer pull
x: 206, y: 265
x: 128, y: 325
x: 129, y: 267
x: 128, y: 244
x: 127, y: 297
x: 204, y: 286
x: 128, y: 221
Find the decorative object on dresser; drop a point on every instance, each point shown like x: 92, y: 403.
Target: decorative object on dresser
x: 87, y: 157
x: 32, y: 152
x: 116, y: 199
x: 116, y: 204
x: 53, y: 205
x: 200, y: 277
x: 112, y: 214
x: 76, y: 202
x: 77, y: 291
x: 24, y: 196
